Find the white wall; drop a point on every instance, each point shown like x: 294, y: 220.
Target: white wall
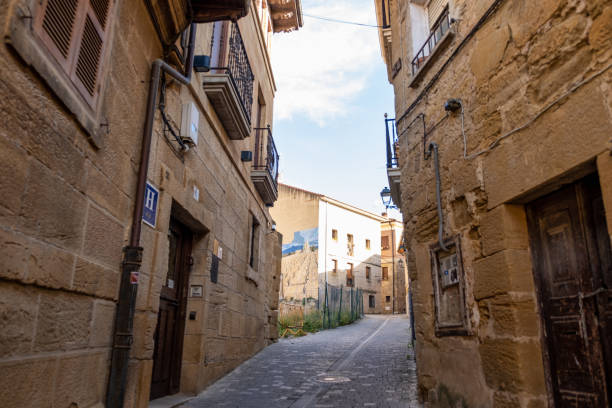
x: 361, y: 227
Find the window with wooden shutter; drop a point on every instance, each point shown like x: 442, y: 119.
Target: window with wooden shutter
x: 74, y: 32
x: 434, y: 11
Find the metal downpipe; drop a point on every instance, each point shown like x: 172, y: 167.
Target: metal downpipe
x: 132, y: 258
x: 434, y: 146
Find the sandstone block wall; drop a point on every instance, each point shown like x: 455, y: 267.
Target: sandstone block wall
x: 545, y: 65
x: 65, y: 211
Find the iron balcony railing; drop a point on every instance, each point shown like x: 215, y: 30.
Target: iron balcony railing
x: 239, y: 69
x: 441, y: 27
x: 266, y: 155
x: 391, y: 142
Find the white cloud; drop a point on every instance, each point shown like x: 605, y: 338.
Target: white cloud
x: 322, y: 68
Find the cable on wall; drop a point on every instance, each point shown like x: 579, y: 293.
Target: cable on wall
x: 490, y: 11
x: 529, y: 122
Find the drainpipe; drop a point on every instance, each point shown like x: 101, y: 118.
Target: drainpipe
x: 132, y: 253
x: 434, y: 146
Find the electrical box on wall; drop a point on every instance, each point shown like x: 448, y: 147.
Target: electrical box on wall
x: 451, y: 312
x: 189, y: 123
x: 449, y: 270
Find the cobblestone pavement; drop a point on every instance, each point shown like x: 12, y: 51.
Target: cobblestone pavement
x: 366, y: 364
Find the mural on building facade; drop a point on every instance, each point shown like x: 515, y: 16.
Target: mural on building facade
x: 300, y: 238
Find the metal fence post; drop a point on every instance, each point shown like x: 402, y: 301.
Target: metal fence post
x: 340, y: 307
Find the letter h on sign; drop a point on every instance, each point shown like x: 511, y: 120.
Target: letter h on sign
x: 149, y: 213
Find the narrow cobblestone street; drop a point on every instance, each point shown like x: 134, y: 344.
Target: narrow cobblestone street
x: 368, y: 363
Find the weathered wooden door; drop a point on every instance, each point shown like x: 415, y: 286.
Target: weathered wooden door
x: 171, y: 319
x: 573, y: 271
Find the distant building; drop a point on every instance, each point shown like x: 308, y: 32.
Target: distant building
x: 498, y: 155
x: 325, y: 240
x: 393, y: 267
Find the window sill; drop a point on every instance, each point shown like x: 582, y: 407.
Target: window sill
x: 441, y: 45
x: 23, y: 40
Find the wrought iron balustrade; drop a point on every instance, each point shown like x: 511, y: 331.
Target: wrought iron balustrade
x: 266, y: 155
x: 238, y: 69
x: 392, y: 143
x: 441, y: 27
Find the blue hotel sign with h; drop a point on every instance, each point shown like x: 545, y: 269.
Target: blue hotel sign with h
x: 149, y: 213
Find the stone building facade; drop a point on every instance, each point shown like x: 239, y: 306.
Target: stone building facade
x: 325, y: 240
x: 393, y: 268
x: 501, y: 165
x: 75, y: 83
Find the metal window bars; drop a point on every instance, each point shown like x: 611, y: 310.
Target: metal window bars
x: 441, y: 27
x: 240, y: 69
x: 264, y: 143
x: 391, y: 142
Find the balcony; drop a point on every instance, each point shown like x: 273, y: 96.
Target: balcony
x: 265, y: 168
x: 230, y: 88
x: 440, y: 36
x: 393, y: 170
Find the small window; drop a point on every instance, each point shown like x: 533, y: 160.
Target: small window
x: 350, y: 245
x: 350, y: 281
x: 372, y: 301
x: 384, y: 242
x: 335, y: 235
x: 388, y: 299
x: 335, y: 265
x: 254, y: 243
x: 368, y: 244
x: 368, y: 272
x: 385, y: 273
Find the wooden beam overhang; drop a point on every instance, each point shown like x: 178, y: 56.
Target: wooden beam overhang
x: 286, y: 15
x: 172, y: 17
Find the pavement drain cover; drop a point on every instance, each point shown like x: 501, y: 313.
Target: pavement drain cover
x: 330, y: 378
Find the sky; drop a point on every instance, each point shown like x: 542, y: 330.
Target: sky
x: 329, y: 106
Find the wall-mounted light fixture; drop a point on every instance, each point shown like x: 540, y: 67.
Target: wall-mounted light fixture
x: 452, y: 105
x: 385, y: 195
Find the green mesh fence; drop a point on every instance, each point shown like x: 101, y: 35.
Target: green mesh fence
x: 339, y: 305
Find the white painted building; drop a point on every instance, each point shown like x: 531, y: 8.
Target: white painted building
x: 349, y: 249
x: 346, y: 239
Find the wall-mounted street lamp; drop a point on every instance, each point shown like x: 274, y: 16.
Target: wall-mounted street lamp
x: 385, y: 195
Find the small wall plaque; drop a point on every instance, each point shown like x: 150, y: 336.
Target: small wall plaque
x: 149, y: 211
x: 196, y: 291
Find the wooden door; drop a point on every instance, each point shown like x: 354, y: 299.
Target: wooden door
x: 572, y: 270
x: 170, y: 329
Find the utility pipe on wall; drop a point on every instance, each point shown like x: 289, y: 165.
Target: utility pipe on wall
x: 434, y: 146
x: 124, y: 317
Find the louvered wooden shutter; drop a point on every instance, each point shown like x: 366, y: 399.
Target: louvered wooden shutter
x: 434, y: 10
x: 74, y: 31
x: 55, y: 26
